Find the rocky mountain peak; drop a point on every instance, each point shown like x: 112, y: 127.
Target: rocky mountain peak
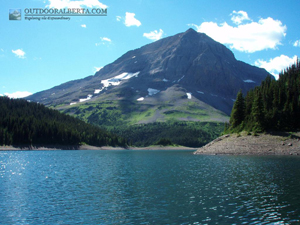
x: 193, y: 61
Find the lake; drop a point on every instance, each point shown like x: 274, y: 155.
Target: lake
x: 147, y: 187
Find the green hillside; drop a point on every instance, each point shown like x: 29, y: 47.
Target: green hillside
x: 171, y: 117
x: 28, y: 123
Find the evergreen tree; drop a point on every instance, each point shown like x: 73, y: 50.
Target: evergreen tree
x: 238, y: 111
x: 257, y: 113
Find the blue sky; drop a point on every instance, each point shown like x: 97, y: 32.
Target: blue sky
x: 37, y: 55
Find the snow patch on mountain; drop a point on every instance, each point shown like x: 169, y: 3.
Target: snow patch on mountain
x: 189, y: 95
x: 86, y: 99
x: 97, y: 91
x: 114, y: 81
x: 249, y: 81
x: 152, y: 91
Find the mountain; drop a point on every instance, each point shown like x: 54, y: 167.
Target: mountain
x: 188, y: 76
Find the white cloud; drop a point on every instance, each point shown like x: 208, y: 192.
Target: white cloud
x: 239, y: 17
x: 104, y: 41
x: 154, y: 35
x: 296, y: 43
x: 83, y: 25
x: 249, y: 37
x: 131, y: 21
x: 19, y: 53
x: 118, y: 18
x: 277, y: 64
x: 60, y: 4
x: 18, y: 94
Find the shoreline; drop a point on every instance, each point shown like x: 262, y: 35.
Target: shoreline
x: 274, y: 143
x: 87, y: 147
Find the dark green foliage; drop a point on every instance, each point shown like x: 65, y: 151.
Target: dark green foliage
x: 238, y: 111
x: 164, y: 142
x: 274, y: 105
x: 191, y: 134
x: 257, y: 113
x: 25, y: 123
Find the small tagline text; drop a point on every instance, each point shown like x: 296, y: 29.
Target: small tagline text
x: 42, y: 18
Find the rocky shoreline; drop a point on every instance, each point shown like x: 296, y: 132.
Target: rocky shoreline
x: 279, y: 143
x: 87, y: 147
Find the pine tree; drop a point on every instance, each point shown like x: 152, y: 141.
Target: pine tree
x: 238, y: 111
x: 257, y: 113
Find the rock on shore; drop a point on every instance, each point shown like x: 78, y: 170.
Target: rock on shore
x: 279, y: 143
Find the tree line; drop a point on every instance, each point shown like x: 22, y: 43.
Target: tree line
x: 274, y: 105
x: 29, y: 123
x: 190, y: 134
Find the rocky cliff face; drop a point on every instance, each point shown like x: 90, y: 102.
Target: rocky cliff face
x: 188, y: 64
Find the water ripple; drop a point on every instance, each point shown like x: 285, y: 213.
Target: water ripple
x: 131, y: 187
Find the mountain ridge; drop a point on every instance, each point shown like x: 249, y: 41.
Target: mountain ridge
x: 188, y: 65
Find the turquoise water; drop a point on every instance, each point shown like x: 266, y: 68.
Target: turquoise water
x: 147, y: 187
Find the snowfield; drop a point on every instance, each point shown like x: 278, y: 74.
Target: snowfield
x: 114, y: 81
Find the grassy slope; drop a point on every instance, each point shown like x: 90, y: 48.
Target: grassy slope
x: 126, y: 116
x: 118, y: 113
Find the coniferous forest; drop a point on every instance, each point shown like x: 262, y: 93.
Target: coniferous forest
x: 189, y: 134
x: 28, y: 123
x: 274, y: 105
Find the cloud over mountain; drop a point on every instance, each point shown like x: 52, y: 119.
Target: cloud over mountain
x: 277, y: 64
x: 246, y: 37
x: 154, y: 35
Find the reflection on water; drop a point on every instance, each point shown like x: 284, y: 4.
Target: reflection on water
x: 147, y: 187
